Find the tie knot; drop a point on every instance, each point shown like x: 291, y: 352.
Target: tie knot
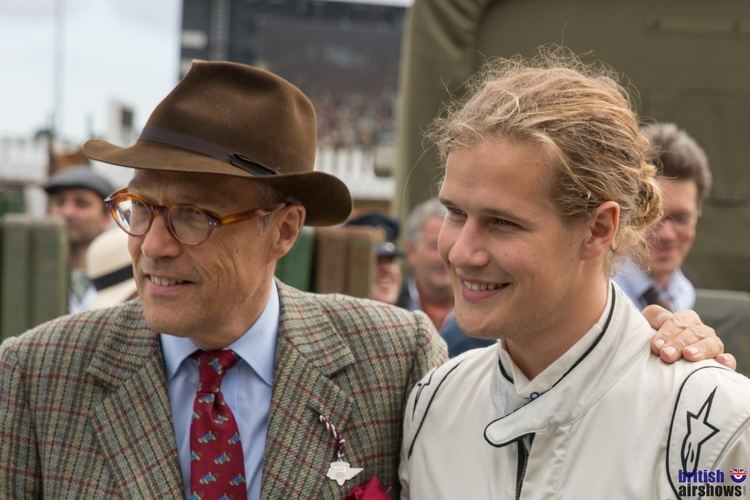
x: 212, y: 365
x: 654, y: 296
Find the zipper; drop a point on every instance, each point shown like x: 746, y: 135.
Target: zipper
x: 523, y: 461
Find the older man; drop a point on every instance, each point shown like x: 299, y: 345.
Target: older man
x: 219, y: 382
x: 428, y: 286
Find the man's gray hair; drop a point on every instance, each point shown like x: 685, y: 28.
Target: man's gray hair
x: 420, y: 214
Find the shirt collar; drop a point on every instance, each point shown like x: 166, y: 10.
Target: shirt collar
x: 635, y: 281
x: 520, y: 390
x: 256, y: 347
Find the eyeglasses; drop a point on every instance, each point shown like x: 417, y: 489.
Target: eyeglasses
x: 681, y: 220
x: 190, y: 225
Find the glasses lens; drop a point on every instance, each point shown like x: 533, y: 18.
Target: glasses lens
x: 132, y: 215
x: 191, y: 225
x: 682, y: 220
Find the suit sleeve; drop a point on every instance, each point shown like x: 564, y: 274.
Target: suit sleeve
x: 19, y: 460
x: 431, y: 351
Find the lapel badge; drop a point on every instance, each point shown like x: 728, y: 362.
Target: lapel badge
x: 339, y: 470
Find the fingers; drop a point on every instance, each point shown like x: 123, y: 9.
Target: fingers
x: 682, y: 334
x: 656, y: 315
x: 727, y: 360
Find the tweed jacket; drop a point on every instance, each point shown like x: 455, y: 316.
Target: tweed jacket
x: 84, y: 410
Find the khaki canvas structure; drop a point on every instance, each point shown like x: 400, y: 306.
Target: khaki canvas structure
x: 687, y: 60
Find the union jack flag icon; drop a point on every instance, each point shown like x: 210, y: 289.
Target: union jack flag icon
x: 237, y: 480
x: 738, y: 475
x: 221, y: 459
x: 208, y: 478
x: 207, y: 437
x: 234, y: 439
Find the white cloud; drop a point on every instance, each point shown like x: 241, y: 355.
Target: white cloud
x: 113, y: 49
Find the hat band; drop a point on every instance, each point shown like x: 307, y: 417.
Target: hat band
x: 113, y: 278
x: 198, y: 145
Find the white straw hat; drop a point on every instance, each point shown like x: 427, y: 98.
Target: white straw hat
x: 110, y: 269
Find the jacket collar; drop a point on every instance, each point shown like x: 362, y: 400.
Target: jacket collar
x: 133, y: 421
x: 624, y: 337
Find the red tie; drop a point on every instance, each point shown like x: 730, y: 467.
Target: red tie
x: 217, y: 469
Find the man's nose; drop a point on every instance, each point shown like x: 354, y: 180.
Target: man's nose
x: 468, y: 250
x: 158, y: 241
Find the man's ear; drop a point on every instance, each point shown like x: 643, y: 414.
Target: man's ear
x: 410, y: 250
x: 601, y: 230
x: 286, y: 229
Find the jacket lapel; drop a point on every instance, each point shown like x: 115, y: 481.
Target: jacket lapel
x: 298, y: 448
x: 133, y: 421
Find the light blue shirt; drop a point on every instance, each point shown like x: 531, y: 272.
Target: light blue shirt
x: 246, y: 386
x: 634, y: 281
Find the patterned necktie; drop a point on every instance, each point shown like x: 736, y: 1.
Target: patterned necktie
x: 652, y: 296
x: 217, y: 468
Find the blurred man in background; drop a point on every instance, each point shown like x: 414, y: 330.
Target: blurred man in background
x: 387, y: 283
x: 428, y: 286
x: 685, y: 180
x: 76, y: 195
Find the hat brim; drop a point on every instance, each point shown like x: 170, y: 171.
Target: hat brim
x: 113, y: 295
x: 326, y: 198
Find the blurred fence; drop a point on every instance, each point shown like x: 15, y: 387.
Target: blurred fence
x: 33, y: 272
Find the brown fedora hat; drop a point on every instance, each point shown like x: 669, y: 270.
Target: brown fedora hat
x: 232, y: 119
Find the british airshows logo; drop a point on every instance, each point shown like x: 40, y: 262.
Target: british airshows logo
x: 711, y: 483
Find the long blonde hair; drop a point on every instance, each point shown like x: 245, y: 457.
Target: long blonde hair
x: 583, y: 117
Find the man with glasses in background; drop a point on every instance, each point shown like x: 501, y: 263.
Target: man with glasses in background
x: 685, y: 180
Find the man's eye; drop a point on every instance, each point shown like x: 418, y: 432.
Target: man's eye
x: 502, y: 223
x: 455, y: 213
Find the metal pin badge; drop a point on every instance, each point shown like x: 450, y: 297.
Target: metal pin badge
x: 339, y: 471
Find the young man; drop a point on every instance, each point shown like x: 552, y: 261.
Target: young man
x: 76, y: 195
x: 546, y: 182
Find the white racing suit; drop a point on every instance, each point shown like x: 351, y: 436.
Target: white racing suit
x: 618, y: 424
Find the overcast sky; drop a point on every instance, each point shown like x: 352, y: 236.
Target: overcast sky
x: 124, y: 50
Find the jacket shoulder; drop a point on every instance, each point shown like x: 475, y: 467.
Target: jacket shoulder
x: 358, y: 319
x: 75, y: 335
x: 441, y: 382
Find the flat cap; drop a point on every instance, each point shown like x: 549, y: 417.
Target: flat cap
x: 79, y: 177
